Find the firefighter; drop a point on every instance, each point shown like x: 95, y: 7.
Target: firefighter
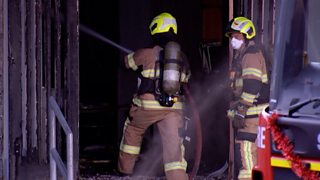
x: 250, y: 86
x: 163, y: 70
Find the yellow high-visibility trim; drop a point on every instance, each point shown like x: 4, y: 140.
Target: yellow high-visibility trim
x: 248, y: 160
x: 131, y: 62
x: 126, y: 123
x: 255, y: 72
x: 252, y: 71
x: 283, y: 163
x: 248, y: 97
x: 264, y: 78
x: 255, y: 110
x: 129, y: 149
x: 248, y: 155
x: 244, y: 174
x: 176, y: 165
x: 150, y: 73
x: 280, y: 162
x: 154, y: 104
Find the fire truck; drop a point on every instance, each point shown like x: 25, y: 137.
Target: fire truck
x: 289, y: 129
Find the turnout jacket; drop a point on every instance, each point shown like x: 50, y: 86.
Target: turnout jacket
x: 249, y: 79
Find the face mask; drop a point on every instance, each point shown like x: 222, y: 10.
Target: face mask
x: 235, y: 43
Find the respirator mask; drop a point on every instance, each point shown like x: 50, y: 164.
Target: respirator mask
x: 236, y: 43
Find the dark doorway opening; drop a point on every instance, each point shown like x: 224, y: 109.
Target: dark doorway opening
x: 98, y: 88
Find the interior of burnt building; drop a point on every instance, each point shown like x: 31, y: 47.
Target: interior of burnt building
x: 47, y: 54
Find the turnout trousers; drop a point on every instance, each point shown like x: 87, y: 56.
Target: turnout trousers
x: 246, y: 149
x: 168, y: 122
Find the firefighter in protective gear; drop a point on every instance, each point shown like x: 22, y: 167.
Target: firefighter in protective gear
x: 163, y: 70
x: 250, y: 86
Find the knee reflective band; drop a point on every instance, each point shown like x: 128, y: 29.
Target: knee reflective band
x: 127, y: 148
x: 175, y: 165
x: 130, y: 149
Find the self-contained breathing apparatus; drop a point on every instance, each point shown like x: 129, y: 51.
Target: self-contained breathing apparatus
x: 166, y: 86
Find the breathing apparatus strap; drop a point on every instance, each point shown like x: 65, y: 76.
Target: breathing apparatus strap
x: 153, y: 85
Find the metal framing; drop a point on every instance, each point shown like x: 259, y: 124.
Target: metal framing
x: 55, y: 159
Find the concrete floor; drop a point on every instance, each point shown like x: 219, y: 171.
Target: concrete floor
x: 33, y: 172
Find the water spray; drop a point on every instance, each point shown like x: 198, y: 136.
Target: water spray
x: 91, y: 32
x: 195, y: 113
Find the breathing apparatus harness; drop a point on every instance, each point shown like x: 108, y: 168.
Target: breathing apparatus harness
x: 166, y: 86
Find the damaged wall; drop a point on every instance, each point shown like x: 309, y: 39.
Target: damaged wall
x: 42, y: 61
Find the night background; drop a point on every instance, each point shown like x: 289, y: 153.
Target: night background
x: 106, y: 87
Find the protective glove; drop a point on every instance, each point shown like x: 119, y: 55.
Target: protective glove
x: 237, y: 116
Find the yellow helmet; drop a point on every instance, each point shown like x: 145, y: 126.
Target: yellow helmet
x: 243, y: 25
x: 162, y: 23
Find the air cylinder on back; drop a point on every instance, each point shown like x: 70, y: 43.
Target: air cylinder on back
x: 172, y: 68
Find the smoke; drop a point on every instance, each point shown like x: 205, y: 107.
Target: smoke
x: 150, y: 162
x: 212, y: 98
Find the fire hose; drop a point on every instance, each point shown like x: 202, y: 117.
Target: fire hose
x: 195, y: 113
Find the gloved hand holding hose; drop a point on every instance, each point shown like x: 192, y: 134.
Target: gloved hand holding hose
x: 237, y: 113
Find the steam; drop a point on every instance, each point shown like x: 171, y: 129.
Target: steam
x: 211, y: 96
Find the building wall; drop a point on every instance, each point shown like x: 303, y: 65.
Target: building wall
x: 31, y: 69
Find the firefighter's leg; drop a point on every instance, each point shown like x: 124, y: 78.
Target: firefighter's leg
x: 131, y: 140
x: 231, y: 160
x: 173, y: 150
x: 248, y: 153
x: 248, y: 159
x: 246, y: 137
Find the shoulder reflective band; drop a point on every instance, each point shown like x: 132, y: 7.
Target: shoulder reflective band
x: 131, y: 62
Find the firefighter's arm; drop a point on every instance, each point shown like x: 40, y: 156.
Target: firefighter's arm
x: 142, y: 57
x: 252, y: 79
x: 133, y: 60
x: 238, y: 110
x: 237, y: 115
